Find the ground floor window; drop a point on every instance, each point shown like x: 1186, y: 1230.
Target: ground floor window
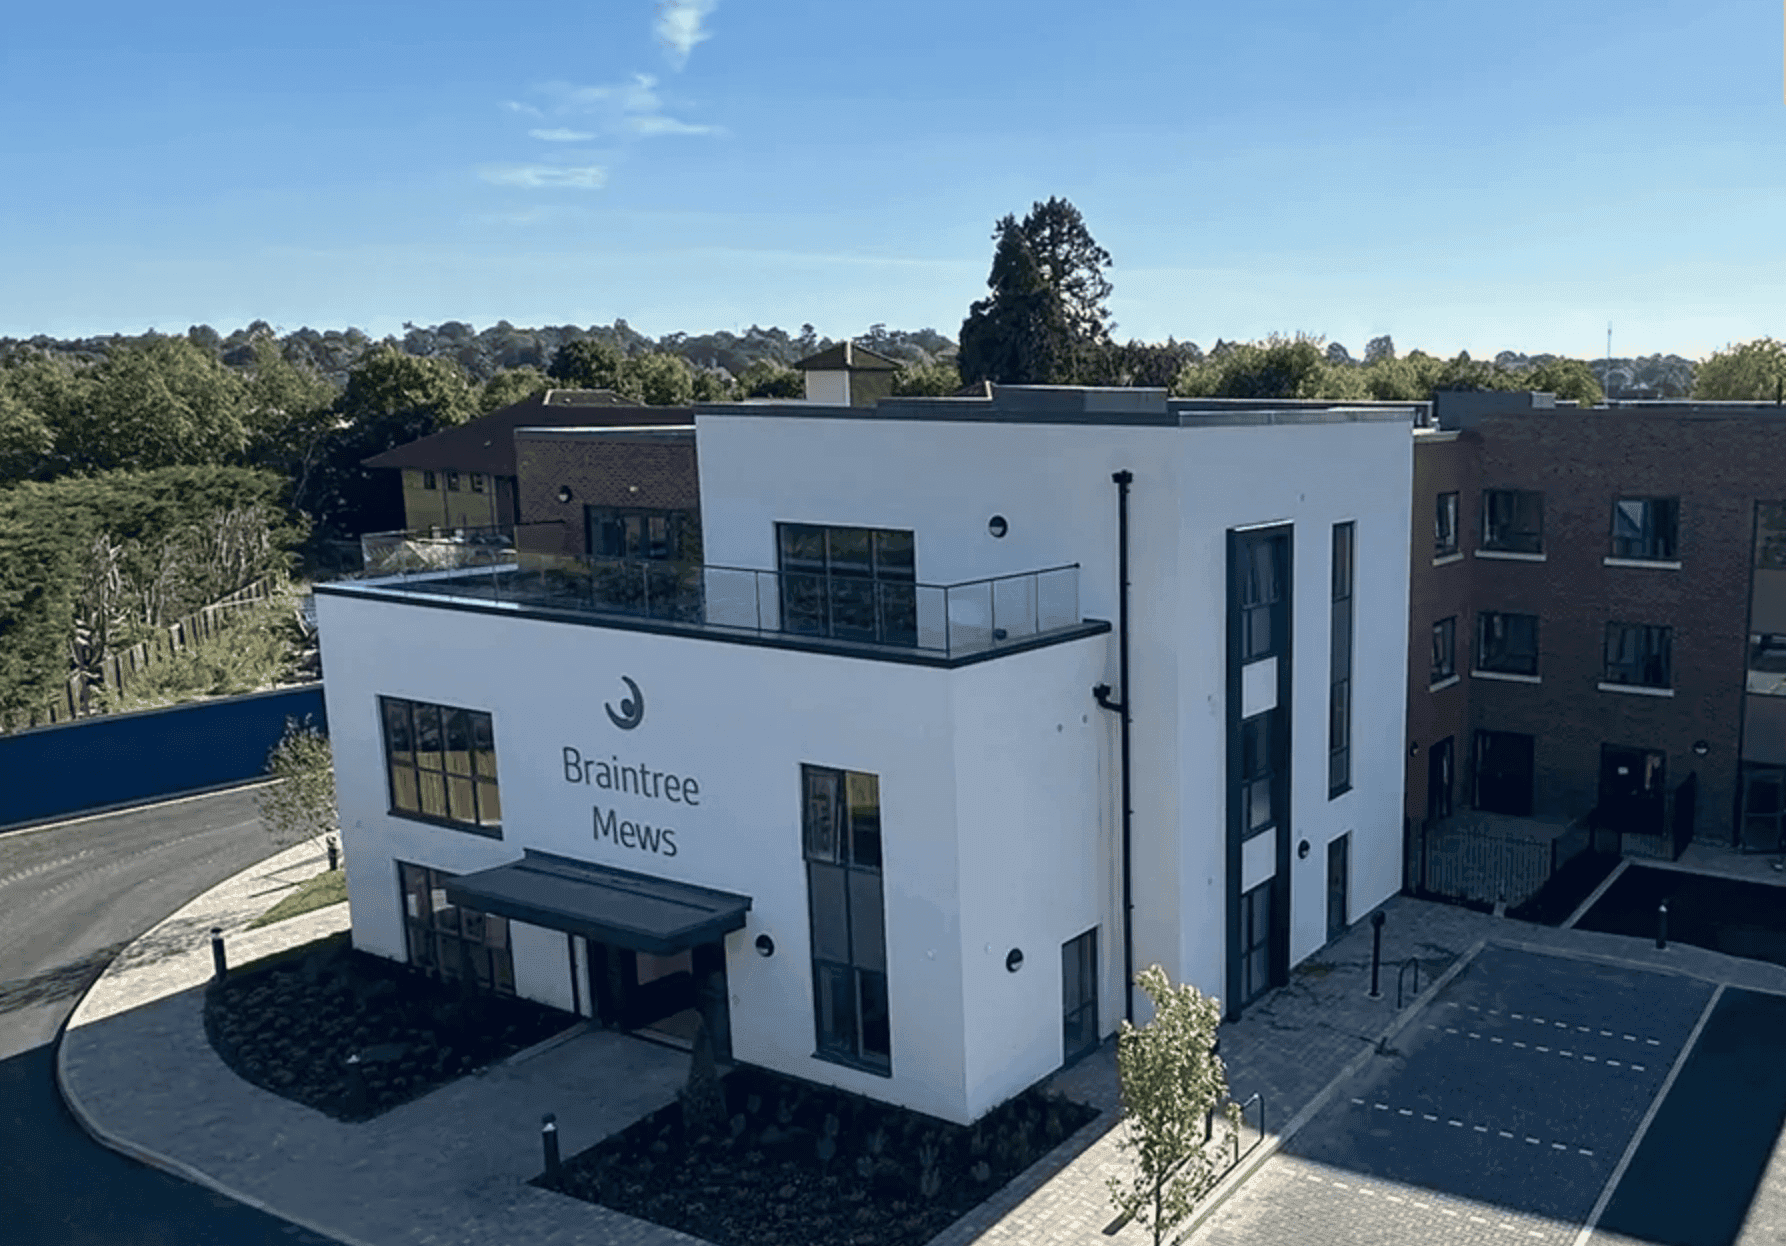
x: 450, y: 940
x: 1255, y: 937
x: 842, y: 833
x: 1079, y: 994
x: 1764, y: 806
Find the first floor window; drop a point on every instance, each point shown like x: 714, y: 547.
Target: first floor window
x: 1445, y: 525
x: 1507, y: 643
x: 1645, y: 528
x: 441, y: 764
x: 428, y: 480
x: 1444, y: 649
x: 1638, y: 654
x: 450, y: 941
x: 1256, y: 773
x: 453, y: 481
x: 841, y: 832
x: 477, y: 482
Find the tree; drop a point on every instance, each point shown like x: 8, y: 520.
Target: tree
x: 767, y: 379
x: 1171, y: 1081
x: 1566, y: 378
x: 927, y: 380
x: 25, y: 440
x: 1278, y: 367
x: 1019, y: 335
x: 1379, y: 349
x: 1746, y: 372
x: 289, y: 413
x: 509, y: 386
x: 660, y: 380
x: 1073, y: 265
x: 589, y: 363
x: 300, y: 805
x: 162, y: 403
x: 712, y: 385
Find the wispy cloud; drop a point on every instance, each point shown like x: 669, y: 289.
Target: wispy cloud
x: 546, y: 176
x: 633, y: 108
x: 526, y: 110
x: 561, y: 135
x: 680, y: 25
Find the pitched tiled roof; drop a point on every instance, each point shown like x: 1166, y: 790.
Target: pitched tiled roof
x: 847, y: 357
x: 488, y: 444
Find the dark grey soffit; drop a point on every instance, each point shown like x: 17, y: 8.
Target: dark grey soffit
x: 620, y: 907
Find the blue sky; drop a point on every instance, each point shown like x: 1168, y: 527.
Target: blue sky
x: 1507, y: 176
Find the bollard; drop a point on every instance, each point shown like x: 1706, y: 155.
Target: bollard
x: 1662, y: 925
x: 333, y: 854
x: 219, y: 964
x: 1377, y: 920
x: 356, y: 1085
x: 549, y: 1140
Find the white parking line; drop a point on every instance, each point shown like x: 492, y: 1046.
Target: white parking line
x: 1457, y: 1123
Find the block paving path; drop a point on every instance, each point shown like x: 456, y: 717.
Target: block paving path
x: 451, y: 1168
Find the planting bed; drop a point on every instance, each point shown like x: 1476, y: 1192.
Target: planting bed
x: 289, y: 1026
x: 787, y: 1161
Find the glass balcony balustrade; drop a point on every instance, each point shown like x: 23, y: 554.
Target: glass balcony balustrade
x: 953, y: 620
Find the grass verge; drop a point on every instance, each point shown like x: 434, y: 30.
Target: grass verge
x: 328, y: 887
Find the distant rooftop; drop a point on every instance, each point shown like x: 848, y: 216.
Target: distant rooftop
x: 488, y: 444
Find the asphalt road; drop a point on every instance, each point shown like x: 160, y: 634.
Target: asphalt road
x: 1500, y: 1114
x: 71, y: 895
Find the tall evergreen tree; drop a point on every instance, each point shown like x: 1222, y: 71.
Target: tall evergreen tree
x: 1045, y: 322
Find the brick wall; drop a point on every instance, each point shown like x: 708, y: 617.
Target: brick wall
x: 1718, y: 465
x: 647, y: 471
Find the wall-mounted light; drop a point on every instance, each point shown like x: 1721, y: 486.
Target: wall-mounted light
x: 1701, y: 748
x: 564, y: 493
x: 1302, y: 851
x: 997, y: 526
x: 1014, y: 960
x: 1414, y: 749
x: 765, y: 946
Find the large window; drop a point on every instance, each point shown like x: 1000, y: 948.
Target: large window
x: 1444, y: 649
x: 637, y: 534
x: 1339, y: 692
x: 842, y: 832
x: 848, y: 583
x: 451, y: 941
x: 1638, y: 654
x: 1645, y: 528
x: 1261, y: 589
x: 1507, y: 643
x: 441, y: 762
x: 1079, y: 994
x: 1445, y: 525
x: 1513, y: 521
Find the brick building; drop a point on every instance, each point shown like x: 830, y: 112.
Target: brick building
x: 1594, y: 611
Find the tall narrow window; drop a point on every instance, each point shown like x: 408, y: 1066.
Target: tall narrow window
x: 1445, y: 525
x: 1339, y: 694
x: 1256, y: 773
x: 1444, y: 650
x: 842, y: 833
x: 1079, y: 994
x: 1261, y: 588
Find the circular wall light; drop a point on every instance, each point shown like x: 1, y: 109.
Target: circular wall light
x: 564, y: 493
x: 1701, y: 748
x: 765, y: 946
x: 1302, y: 851
x: 1014, y: 960
x: 997, y: 526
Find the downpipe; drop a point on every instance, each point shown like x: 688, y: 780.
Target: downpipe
x: 1101, y: 693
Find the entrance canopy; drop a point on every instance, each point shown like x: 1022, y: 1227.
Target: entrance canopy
x: 608, y: 905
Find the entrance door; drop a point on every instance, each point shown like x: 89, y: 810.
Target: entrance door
x: 664, y: 995
x: 1079, y: 994
x: 1504, y: 773
x: 1339, y: 876
x: 1763, y: 807
x: 1438, y: 780
x: 1631, y: 789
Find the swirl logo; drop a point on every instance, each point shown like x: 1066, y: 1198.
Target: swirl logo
x: 632, y: 710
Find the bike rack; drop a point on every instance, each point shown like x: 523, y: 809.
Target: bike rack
x: 1413, y: 963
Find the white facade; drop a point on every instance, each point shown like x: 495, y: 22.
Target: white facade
x: 999, y: 777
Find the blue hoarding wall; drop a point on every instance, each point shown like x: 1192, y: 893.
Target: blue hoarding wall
x: 118, y: 759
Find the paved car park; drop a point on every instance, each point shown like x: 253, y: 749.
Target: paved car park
x: 1500, y: 1114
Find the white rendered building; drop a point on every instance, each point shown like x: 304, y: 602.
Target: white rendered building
x: 855, y: 786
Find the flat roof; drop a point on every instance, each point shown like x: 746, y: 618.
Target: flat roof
x: 1092, y: 405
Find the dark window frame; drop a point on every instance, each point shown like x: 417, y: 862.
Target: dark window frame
x: 1444, y: 649
x: 1501, y: 654
x: 1262, y: 572
x: 633, y: 526
x: 1513, y: 520
x: 1445, y: 528
x: 1657, y: 529
x: 841, y: 836
x: 428, y: 481
x: 441, y: 945
x: 1341, y: 652
x: 1258, y: 773
x: 1079, y: 959
x: 848, y: 583
x: 1650, y: 663
x: 477, y: 482
x: 463, y: 794
x: 452, y: 482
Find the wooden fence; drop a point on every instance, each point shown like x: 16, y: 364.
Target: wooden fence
x: 118, y: 670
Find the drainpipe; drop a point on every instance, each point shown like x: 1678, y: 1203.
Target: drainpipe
x: 1123, y: 480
